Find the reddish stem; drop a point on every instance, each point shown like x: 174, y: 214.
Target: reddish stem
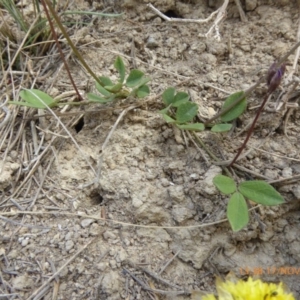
x: 251, y: 129
x: 60, y: 50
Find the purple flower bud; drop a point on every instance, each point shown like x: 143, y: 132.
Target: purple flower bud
x: 274, y: 77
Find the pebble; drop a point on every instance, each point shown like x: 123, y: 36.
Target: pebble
x: 102, y: 266
x: 22, y: 282
x: 250, y: 4
x: 109, y: 235
x: 270, y: 173
x: 86, y: 222
x: 13, y: 254
x: 151, y: 43
x: 296, y: 192
x: 207, y: 184
x: 113, y: 264
x: 126, y: 241
x: 194, y: 176
x: 25, y: 242
x: 69, y: 245
x: 68, y: 236
x: 94, y: 229
x: 164, y: 182
x: 287, y: 172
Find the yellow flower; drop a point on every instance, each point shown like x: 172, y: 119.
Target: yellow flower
x: 249, y: 290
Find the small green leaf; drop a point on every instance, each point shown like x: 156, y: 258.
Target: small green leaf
x: 142, y: 82
x: 134, y: 78
x: 237, y: 212
x: 224, y: 184
x: 168, y: 96
x: 119, y: 65
x: 115, y: 88
x: 221, y: 127
x: 186, y: 112
x: 106, y: 81
x: 102, y: 90
x: 260, y: 192
x: 237, y: 110
x: 168, y: 119
x: 97, y: 99
x: 143, y: 91
x: 181, y: 97
x: 37, y: 99
x: 192, y: 126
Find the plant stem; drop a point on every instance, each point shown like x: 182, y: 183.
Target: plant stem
x: 76, y: 52
x: 58, y: 45
x: 251, y: 129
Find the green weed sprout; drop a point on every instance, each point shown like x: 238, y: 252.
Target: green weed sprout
x: 180, y: 111
x: 134, y: 85
x: 36, y: 99
x: 255, y: 190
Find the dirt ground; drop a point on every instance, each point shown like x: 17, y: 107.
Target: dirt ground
x: 162, y: 227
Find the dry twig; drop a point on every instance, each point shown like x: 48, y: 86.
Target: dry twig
x: 221, y: 13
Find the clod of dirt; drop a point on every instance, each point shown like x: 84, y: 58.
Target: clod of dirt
x: 6, y: 175
x: 22, y: 282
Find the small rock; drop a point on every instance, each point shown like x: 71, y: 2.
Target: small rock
x: 25, y: 242
x: 86, y: 222
x: 13, y: 254
x: 69, y: 245
x: 182, y: 214
x: 194, y: 176
x: 94, y: 229
x: 164, y: 182
x: 207, y: 183
x: 157, y: 20
x: 270, y: 173
x: 22, y: 282
x: 151, y: 43
x: 250, y: 4
x: 126, y: 241
x: 68, y: 236
x: 109, y: 284
x: 136, y: 201
x: 109, y: 235
x: 287, y: 172
x: 152, y: 214
x: 113, y: 264
x: 121, y: 256
x: 101, y: 266
x: 176, y: 193
x: 296, y: 192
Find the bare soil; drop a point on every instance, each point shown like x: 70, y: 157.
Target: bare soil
x: 150, y: 184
